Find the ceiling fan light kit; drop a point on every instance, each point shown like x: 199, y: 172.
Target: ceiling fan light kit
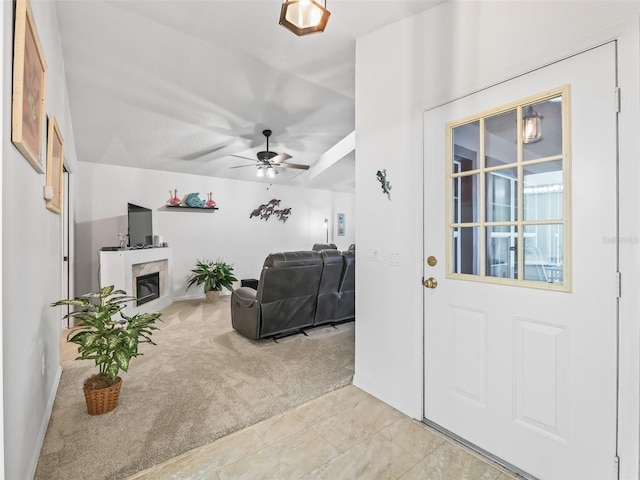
x: 304, y: 17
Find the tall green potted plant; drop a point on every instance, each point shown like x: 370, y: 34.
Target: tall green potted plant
x: 215, y: 275
x: 110, y: 342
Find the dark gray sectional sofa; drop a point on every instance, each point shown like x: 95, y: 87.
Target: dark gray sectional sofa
x: 296, y: 291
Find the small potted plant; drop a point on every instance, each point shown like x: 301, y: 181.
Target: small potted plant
x: 109, y: 341
x: 214, y: 275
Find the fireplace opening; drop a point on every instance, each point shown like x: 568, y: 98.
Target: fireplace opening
x: 147, y: 288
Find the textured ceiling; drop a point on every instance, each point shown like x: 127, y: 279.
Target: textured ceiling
x: 180, y: 85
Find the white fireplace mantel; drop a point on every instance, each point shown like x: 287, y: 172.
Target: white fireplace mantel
x: 119, y: 267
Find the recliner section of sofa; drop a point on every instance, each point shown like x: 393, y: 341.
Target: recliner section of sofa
x: 346, y: 307
x: 296, y: 291
x: 328, y: 295
x: 286, y: 297
x: 317, y: 247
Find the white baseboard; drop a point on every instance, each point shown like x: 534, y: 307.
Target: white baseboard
x: 188, y: 297
x: 33, y: 463
x: 200, y: 296
x: 412, y: 410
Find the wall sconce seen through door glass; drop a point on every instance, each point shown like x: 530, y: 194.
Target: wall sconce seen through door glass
x: 531, y: 125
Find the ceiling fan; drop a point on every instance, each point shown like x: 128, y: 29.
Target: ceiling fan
x: 267, y: 160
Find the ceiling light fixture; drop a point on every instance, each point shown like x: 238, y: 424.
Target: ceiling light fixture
x: 531, y: 125
x: 260, y: 172
x: 271, y: 172
x: 303, y: 17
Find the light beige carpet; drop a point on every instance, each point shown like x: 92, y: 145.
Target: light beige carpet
x: 202, y: 381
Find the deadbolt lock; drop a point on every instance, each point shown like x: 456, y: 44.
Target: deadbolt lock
x: 432, y: 261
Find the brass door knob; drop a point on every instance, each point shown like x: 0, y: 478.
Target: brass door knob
x: 430, y: 282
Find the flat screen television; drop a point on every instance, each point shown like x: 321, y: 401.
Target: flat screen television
x: 140, y: 226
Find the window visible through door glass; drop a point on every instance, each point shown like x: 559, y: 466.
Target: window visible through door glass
x: 502, y: 195
x: 465, y: 200
x: 466, y: 258
x: 502, y: 254
x: 508, y: 187
x: 501, y: 139
x: 550, y: 144
x: 466, y: 141
x: 543, y: 191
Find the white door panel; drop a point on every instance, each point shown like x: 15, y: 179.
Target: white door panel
x: 529, y: 374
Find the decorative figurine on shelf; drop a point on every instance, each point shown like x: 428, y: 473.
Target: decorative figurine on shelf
x: 174, y: 200
x: 122, y: 239
x: 384, y: 183
x: 211, y: 202
x: 194, y: 200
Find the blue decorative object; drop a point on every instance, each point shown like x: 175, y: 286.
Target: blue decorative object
x: 193, y: 200
x: 341, y: 224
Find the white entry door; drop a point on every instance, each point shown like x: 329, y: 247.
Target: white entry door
x: 520, y: 311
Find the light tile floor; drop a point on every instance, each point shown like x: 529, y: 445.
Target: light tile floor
x: 346, y: 434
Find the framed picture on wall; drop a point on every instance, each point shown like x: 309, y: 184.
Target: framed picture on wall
x: 340, y: 224
x: 29, y: 87
x: 54, y: 165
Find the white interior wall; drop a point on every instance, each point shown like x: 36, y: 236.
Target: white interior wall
x: 103, y: 192
x: 31, y: 262
x: 2, y: 142
x: 430, y: 59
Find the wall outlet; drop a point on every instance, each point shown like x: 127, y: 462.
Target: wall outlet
x: 394, y: 259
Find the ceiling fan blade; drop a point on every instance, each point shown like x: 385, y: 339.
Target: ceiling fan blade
x: 292, y: 165
x: 281, y: 157
x: 245, y: 158
x: 240, y: 166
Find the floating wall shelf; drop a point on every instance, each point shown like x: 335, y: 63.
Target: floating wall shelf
x: 186, y: 207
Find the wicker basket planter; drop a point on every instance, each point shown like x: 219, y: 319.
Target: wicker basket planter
x: 103, y: 400
x: 107, y: 341
x: 212, y: 296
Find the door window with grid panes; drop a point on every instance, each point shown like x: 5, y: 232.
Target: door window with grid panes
x: 508, y: 184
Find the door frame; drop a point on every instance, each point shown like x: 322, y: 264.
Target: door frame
x: 4, y: 140
x: 627, y: 36
x: 66, y: 248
